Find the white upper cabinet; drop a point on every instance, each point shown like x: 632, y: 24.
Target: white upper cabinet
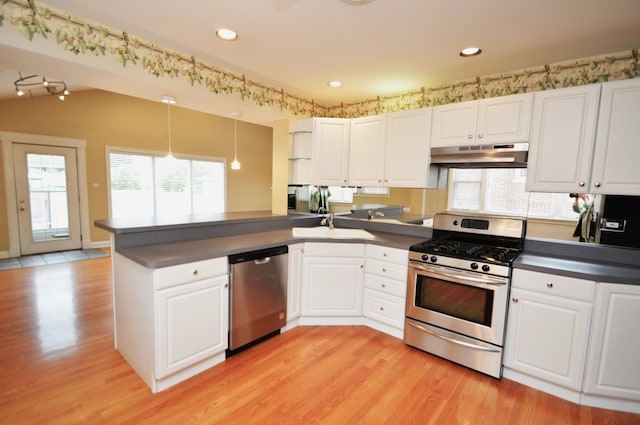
x: 407, y: 157
x: 617, y: 150
x: 390, y: 150
x: 503, y: 119
x: 562, y: 137
x: 367, y: 151
x: 330, y: 152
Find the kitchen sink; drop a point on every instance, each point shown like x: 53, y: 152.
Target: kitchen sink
x: 336, y: 233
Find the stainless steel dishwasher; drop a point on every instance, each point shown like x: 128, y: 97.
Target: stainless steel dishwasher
x: 258, y: 296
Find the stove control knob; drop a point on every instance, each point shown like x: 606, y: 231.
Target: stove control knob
x: 425, y: 257
x: 486, y: 268
x: 474, y: 266
x: 433, y: 258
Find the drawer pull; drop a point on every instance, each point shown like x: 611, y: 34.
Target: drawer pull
x: 195, y: 272
x: 384, y: 270
x: 384, y: 254
x: 549, y: 285
x: 381, y: 308
x: 383, y: 285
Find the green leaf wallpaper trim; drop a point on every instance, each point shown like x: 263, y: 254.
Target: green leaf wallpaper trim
x: 78, y: 36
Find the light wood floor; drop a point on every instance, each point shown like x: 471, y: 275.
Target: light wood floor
x: 58, y: 366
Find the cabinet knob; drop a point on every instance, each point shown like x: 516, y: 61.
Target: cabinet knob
x: 598, y: 184
x: 469, y: 136
x: 384, y: 254
x: 381, y: 308
x: 549, y: 285
x: 581, y: 184
x: 384, y: 270
x: 480, y: 136
x: 226, y: 285
x: 383, y: 285
x: 195, y: 272
x: 514, y: 299
x: 362, y: 266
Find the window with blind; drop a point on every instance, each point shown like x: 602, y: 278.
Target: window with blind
x: 148, y: 185
x: 502, y: 191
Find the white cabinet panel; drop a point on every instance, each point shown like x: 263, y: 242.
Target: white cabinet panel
x: 367, y: 151
x: 330, y: 155
x: 294, y: 284
x: 615, y: 164
x: 547, y: 337
x: 613, y: 369
x: 503, y: 119
x: 562, y: 138
x: 407, y: 148
x: 191, y: 323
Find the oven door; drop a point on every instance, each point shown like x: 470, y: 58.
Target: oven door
x: 463, y: 302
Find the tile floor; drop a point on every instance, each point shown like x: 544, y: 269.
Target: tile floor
x: 51, y: 258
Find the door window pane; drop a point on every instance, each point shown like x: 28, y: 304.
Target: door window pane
x: 48, y: 196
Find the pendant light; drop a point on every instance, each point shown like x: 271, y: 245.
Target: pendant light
x: 169, y: 100
x: 235, y: 165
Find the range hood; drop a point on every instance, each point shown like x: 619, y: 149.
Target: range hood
x: 512, y: 155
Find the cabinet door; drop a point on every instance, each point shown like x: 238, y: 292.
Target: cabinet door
x: 547, y: 337
x: 615, y: 349
x: 330, y: 151
x: 192, y: 323
x: 332, y: 286
x: 454, y: 124
x: 505, y: 119
x: 407, y: 150
x: 562, y: 138
x: 367, y: 151
x: 294, y: 284
x: 615, y: 164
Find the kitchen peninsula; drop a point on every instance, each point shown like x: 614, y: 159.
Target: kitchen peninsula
x: 171, y: 297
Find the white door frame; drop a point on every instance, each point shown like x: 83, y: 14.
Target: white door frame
x: 7, y: 139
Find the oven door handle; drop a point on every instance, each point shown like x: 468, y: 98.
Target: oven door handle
x: 459, y: 277
x: 452, y: 340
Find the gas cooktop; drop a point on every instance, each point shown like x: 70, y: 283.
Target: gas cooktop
x: 467, y: 250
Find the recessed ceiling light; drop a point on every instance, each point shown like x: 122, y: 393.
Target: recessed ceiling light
x: 470, y: 51
x: 334, y: 84
x: 226, y: 34
x: 357, y: 2
x: 168, y: 99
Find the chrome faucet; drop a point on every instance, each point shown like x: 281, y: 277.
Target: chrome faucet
x: 327, y: 221
x: 373, y: 214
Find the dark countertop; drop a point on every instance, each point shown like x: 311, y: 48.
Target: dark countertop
x: 598, y: 263
x: 155, y: 242
x: 169, y: 254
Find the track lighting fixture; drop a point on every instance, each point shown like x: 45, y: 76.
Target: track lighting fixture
x: 34, y: 82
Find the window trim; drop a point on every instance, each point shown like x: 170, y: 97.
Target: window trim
x: 109, y: 149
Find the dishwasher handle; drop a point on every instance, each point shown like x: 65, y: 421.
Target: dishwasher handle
x: 261, y: 254
x: 262, y: 260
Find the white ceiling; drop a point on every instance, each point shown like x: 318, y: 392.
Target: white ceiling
x: 381, y: 48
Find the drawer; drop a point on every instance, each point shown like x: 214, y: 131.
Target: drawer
x: 334, y: 249
x: 189, y: 272
x: 393, y: 287
x: 394, y: 255
x: 386, y: 269
x: 384, y: 308
x: 551, y: 284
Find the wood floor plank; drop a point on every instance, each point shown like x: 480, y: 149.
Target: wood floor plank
x: 58, y: 365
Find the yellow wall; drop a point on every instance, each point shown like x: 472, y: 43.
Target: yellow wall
x: 108, y: 119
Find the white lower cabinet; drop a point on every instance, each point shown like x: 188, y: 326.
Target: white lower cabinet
x: 385, y: 289
x: 192, y: 323
x: 294, y: 282
x: 171, y: 323
x: 548, y: 327
x: 332, y: 280
x: 614, y: 357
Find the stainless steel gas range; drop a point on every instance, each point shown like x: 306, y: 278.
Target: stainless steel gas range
x: 458, y: 288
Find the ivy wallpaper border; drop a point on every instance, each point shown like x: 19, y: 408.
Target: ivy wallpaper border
x: 80, y: 36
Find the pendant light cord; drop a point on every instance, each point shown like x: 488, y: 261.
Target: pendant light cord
x: 169, y: 126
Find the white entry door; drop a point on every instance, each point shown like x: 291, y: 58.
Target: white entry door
x: 47, y: 198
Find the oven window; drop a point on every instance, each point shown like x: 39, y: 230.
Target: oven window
x: 453, y: 299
